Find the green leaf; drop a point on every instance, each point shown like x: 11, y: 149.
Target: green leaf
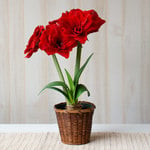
x: 78, y: 74
x: 61, y: 91
x: 55, y: 83
x: 80, y: 89
x: 70, y: 81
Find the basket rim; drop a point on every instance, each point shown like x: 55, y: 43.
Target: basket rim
x: 79, y: 110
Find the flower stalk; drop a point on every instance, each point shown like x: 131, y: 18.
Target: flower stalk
x: 78, y: 58
x: 55, y: 60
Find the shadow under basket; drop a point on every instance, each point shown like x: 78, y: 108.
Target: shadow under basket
x: 75, y: 124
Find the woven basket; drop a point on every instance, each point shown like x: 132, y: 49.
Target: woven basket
x: 75, y: 125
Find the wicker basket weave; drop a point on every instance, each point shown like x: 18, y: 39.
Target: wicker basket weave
x: 75, y: 125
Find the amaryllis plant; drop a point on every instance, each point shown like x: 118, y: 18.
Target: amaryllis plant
x: 61, y: 36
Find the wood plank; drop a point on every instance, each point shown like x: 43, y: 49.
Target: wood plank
x: 4, y: 64
x: 109, y: 141
x: 16, y: 45
x: 132, y: 61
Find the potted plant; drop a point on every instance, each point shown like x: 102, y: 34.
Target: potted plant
x: 61, y: 36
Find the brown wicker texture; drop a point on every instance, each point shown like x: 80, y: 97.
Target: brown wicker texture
x: 75, y: 125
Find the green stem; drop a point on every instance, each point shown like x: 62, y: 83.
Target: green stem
x: 77, y: 65
x: 60, y: 74
x: 78, y: 58
x: 58, y: 68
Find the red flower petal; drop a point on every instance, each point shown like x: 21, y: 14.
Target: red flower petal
x: 94, y: 21
x: 33, y: 42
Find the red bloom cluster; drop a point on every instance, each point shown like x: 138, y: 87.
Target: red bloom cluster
x: 77, y: 24
x: 62, y: 35
x: 53, y: 41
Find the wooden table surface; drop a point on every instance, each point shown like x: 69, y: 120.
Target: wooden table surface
x: 46, y: 137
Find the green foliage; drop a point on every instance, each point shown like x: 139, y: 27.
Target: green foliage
x: 61, y: 91
x: 81, y: 89
x: 79, y: 72
x: 73, y: 90
x: 55, y: 83
x: 70, y: 81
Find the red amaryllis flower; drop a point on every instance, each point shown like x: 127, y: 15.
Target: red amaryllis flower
x: 94, y: 22
x: 33, y: 43
x: 53, y: 41
x: 77, y: 24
